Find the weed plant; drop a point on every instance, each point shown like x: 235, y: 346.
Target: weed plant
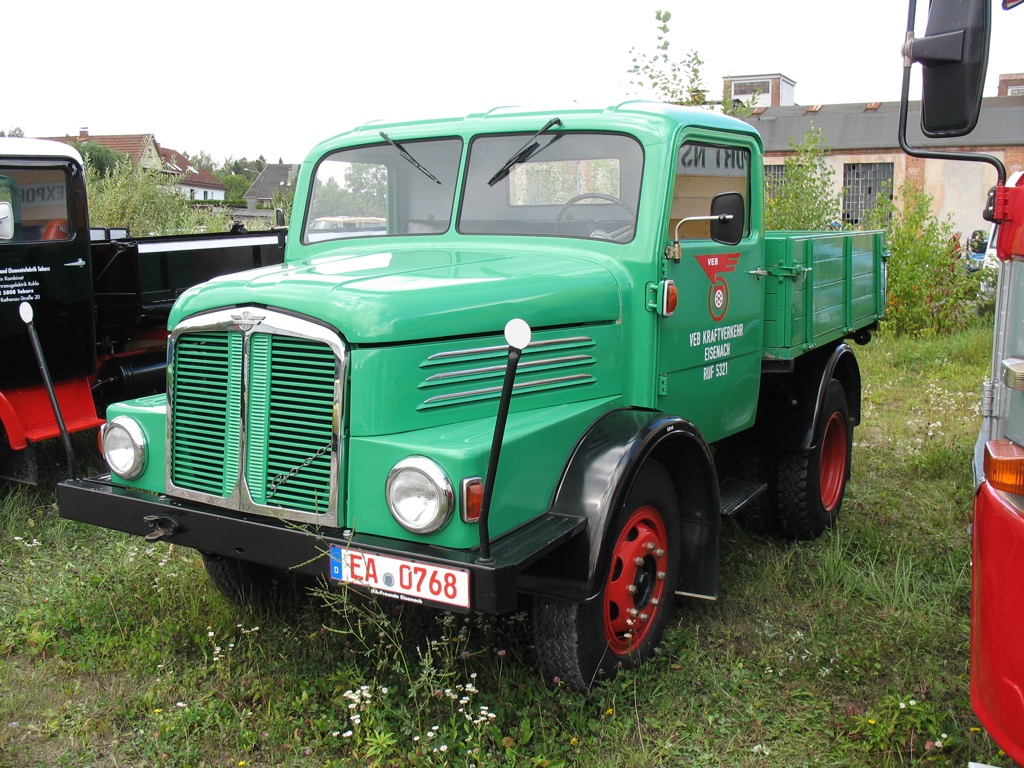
x: 848, y: 651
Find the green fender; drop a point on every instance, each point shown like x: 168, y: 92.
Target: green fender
x: 594, y: 485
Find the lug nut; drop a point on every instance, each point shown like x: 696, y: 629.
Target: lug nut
x: 632, y: 589
x: 655, y: 601
x: 650, y: 546
x: 638, y: 562
x: 633, y: 612
x: 644, y: 617
x: 661, y: 575
x: 660, y: 553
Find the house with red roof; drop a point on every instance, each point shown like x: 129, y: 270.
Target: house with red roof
x: 144, y: 150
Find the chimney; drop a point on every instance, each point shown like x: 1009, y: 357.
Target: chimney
x: 83, y: 133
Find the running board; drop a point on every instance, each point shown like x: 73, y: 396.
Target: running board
x: 737, y: 493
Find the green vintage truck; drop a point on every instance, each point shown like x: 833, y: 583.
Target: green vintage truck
x: 357, y: 415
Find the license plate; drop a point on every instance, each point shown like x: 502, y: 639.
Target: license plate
x: 401, y: 579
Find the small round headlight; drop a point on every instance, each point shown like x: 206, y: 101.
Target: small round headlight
x: 124, y: 447
x: 419, y: 495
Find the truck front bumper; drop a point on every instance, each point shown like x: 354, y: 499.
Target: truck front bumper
x: 494, y: 584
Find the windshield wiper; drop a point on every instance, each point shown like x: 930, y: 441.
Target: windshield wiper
x: 528, y: 150
x: 405, y: 153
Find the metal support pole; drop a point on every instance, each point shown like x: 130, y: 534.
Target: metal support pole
x: 25, y: 310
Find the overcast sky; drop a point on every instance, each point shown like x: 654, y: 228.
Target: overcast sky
x: 248, y: 79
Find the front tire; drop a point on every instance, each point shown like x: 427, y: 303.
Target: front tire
x: 581, y: 642
x: 250, y: 585
x: 812, y: 483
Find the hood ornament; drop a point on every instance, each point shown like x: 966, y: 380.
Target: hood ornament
x: 247, y: 320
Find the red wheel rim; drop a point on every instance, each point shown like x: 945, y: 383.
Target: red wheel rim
x: 636, y: 580
x: 833, y: 462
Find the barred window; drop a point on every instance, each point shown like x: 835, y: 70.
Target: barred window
x: 774, y: 176
x: 862, y: 184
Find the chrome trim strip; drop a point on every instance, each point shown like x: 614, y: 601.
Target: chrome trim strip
x: 577, y: 340
x: 437, y: 377
x: 579, y: 377
x: 190, y: 245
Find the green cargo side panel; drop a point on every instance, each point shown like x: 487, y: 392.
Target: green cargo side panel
x: 820, y: 287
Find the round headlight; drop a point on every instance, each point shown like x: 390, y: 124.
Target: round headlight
x: 124, y: 447
x: 419, y: 494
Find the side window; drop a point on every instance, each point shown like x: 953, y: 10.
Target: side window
x: 703, y: 171
x: 38, y: 201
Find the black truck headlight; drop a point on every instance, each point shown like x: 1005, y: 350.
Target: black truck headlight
x: 419, y: 495
x: 124, y: 447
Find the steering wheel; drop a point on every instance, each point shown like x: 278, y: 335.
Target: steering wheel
x: 598, y: 233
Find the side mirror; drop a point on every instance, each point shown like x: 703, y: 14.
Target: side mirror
x: 728, y: 218
x: 6, y: 220
x: 954, y: 55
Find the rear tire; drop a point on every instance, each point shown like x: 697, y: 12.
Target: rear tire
x: 812, y: 483
x: 581, y: 642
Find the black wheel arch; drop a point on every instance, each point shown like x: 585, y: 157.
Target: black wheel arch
x: 790, y: 402
x: 594, y: 484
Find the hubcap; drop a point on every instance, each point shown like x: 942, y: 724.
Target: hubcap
x: 832, y: 468
x: 636, y: 580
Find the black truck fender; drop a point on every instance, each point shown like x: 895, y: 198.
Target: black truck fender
x: 790, y: 402
x: 594, y: 485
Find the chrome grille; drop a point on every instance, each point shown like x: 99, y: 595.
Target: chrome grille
x: 254, y: 407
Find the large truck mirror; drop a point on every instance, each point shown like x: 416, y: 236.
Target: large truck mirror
x: 954, y: 55
x: 728, y: 218
x: 6, y: 220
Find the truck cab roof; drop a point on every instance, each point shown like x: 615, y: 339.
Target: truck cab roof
x: 37, y: 148
x: 639, y: 117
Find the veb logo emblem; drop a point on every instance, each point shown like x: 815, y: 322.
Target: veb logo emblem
x: 716, y: 267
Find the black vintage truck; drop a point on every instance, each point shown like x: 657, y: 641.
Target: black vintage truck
x: 99, y: 299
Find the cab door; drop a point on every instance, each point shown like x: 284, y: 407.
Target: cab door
x: 45, y: 260
x: 709, y: 349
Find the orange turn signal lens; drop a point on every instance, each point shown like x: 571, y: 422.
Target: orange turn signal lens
x: 670, y: 300
x: 1004, y: 466
x: 472, y: 498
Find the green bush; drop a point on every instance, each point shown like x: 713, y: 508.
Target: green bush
x: 805, y: 198
x: 929, y: 292
x: 146, y: 202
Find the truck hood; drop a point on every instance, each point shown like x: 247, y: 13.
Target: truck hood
x: 400, y: 295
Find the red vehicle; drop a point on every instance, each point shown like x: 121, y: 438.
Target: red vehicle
x: 954, y: 53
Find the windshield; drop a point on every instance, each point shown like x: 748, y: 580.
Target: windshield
x: 553, y: 183
x: 376, y: 190
x: 569, y: 185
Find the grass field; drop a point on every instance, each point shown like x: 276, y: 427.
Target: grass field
x: 848, y: 651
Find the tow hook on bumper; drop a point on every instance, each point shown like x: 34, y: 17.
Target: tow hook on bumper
x: 162, y: 526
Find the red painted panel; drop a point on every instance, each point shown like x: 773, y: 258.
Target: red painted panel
x: 997, y: 620
x: 28, y: 416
